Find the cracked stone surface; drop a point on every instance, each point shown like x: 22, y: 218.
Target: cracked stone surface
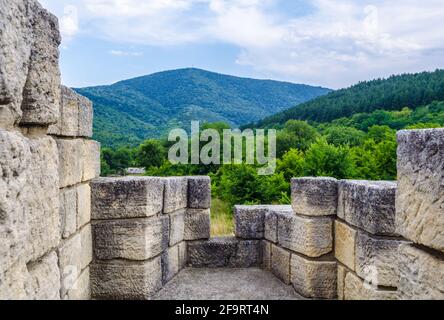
x: 226, y: 284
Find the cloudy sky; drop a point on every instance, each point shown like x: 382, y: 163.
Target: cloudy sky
x: 333, y: 43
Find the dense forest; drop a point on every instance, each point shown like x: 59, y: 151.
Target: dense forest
x: 130, y: 111
x: 412, y: 90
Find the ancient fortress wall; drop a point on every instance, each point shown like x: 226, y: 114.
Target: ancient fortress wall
x: 360, y: 239
x: 339, y: 239
x: 46, y: 163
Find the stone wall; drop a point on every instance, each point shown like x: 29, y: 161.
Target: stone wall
x: 141, y: 229
x: 359, y: 240
x: 46, y: 162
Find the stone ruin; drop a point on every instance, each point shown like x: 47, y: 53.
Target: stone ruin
x: 65, y: 233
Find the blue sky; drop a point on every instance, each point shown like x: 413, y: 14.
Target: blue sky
x: 333, y: 43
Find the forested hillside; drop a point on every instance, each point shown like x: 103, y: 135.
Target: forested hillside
x: 394, y: 93
x: 128, y: 112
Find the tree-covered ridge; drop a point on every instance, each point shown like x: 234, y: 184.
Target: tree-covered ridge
x: 394, y: 93
x: 128, y: 112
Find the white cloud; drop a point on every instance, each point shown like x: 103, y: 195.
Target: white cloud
x: 337, y: 43
x: 69, y: 22
x: 120, y: 53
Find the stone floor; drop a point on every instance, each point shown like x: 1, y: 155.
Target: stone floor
x: 226, y: 284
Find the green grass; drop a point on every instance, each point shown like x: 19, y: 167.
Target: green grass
x: 222, y: 223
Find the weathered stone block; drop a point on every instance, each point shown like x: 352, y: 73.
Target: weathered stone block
x: 15, y: 51
x: 266, y: 254
x: 249, y: 221
x: 90, y: 160
x: 176, y: 190
x: 378, y: 259
x: 356, y: 289
x: 197, y: 224
x: 342, y: 272
x: 133, y: 239
x: 41, y: 94
x: 68, y: 123
x: 81, y: 289
x: 83, y: 205
x: 41, y: 205
x: 86, y: 254
x: 271, y: 221
x: 43, y: 279
x: 199, y: 192
x: 182, y: 254
x: 314, y: 279
x: 70, y: 163
x: 224, y: 252
x: 125, y: 280
x: 85, y: 117
x: 70, y: 262
x: 420, y: 197
x: 129, y: 197
x: 369, y: 205
x: 177, y: 227
x: 421, y: 274
x: 311, y: 236
x: 345, y: 243
x: 29, y: 198
x: 280, y: 263
x: 314, y: 196
x: 68, y: 211
x: 170, y: 264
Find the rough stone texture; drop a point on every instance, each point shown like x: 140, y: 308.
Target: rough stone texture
x: 130, y: 197
x: 90, y: 160
x: 83, y: 205
x: 249, y: 221
x: 271, y: 221
x: 197, y: 224
x: 68, y: 124
x: 43, y: 279
x: 176, y: 190
x: 226, y: 284
x: 85, y: 117
x: 266, y: 254
x: 86, y: 253
x: 356, y: 289
x: 421, y: 274
x: 170, y: 264
x: 41, y: 204
x: 224, y: 252
x: 177, y: 227
x: 15, y: 51
x: 199, y: 192
x: 68, y: 212
x: 125, y: 280
x: 81, y: 289
x: 70, y: 262
x: 41, y: 94
x: 70, y: 162
x: 342, y: 272
x: 311, y: 236
x: 420, y: 197
x: 369, y: 205
x: 182, y: 254
x: 378, y: 259
x: 280, y: 263
x: 314, y: 196
x: 133, y: 239
x: 345, y: 242
x: 314, y: 279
